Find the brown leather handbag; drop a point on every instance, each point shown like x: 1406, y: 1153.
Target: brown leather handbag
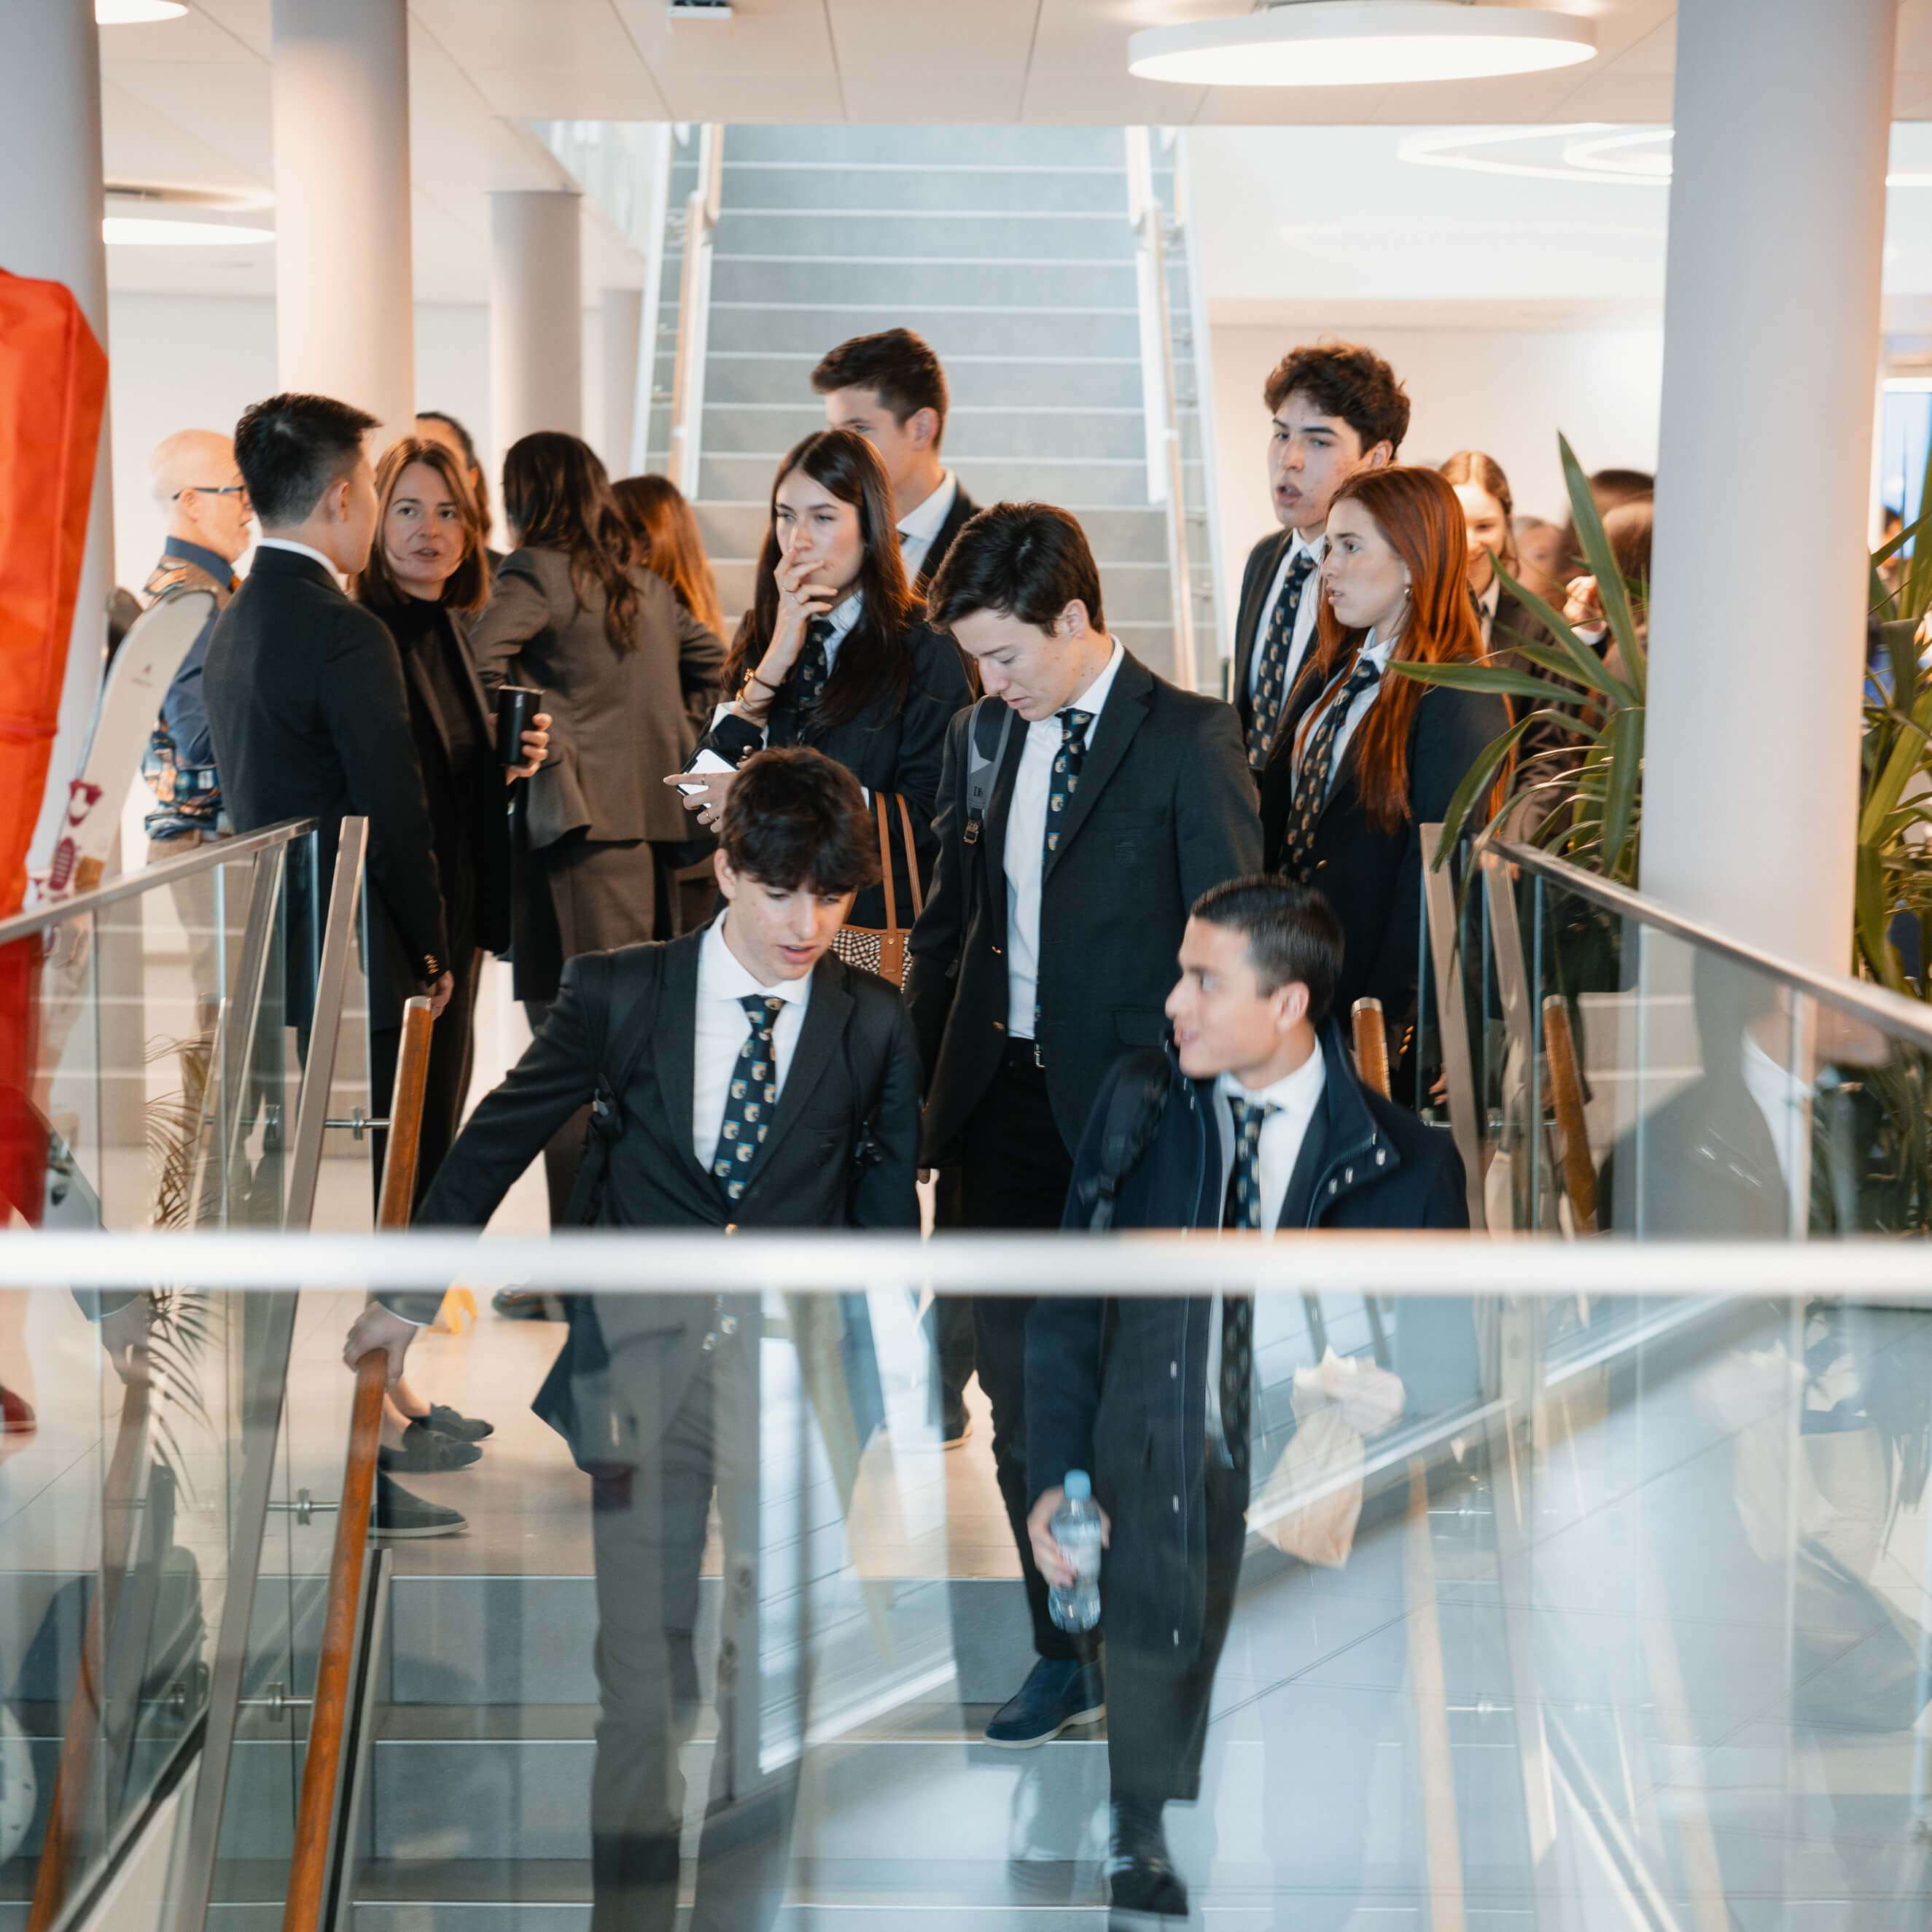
x: 882, y: 949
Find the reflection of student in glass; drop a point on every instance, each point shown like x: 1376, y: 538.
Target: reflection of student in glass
x: 772, y: 1086
x: 1363, y: 759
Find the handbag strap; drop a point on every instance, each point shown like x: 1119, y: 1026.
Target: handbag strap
x: 886, y: 863
x: 912, y: 858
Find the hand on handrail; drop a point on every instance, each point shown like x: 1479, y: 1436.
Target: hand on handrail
x: 377, y: 1328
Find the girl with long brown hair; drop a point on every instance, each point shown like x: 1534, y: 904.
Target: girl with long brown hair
x: 631, y: 675
x: 1366, y: 757
x: 834, y: 652
x: 663, y: 528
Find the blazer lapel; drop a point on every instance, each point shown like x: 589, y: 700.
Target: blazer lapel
x: 993, y: 837
x: 1126, y: 708
x: 1250, y: 617
x: 826, y: 1013
x: 672, y: 1049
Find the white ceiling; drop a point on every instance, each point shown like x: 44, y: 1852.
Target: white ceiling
x: 187, y: 101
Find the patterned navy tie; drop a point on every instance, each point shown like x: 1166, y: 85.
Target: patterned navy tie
x: 1066, y: 763
x: 1245, y: 1209
x: 1277, y: 647
x: 814, y: 664
x: 753, y: 1094
x: 1313, y: 774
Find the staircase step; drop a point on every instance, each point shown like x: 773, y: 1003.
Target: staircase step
x: 1101, y: 483
x: 817, y: 321
x: 1011, y: 382
x: 972, y: 433
x: 834, y: 187
x: 952, y: 149
x: 902, y: 284
x: 735, y: 532
x: 959, y: 236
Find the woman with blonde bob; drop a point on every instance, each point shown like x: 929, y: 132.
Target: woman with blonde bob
x: 1366, y: 757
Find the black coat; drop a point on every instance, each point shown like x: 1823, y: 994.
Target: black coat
x: 310, y: 718
x: 1370, y: 875
x: 963, y: 511
x: 1257, y: 580
x: 889, y: 748
x: 472, y: 820
x: 1119, y: 1388
x: 1165, y: 808
x: 853, y: 1069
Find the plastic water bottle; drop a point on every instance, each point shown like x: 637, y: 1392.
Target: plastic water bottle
x: 1076, y: 1529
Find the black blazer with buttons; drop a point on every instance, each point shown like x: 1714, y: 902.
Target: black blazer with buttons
x: 1165, y: 808
x: 852, y: 1072
x: 1119, y: 1388
x: 1257, y: 579
x: 1370, y: 875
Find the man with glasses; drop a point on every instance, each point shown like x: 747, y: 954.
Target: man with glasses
x: 201, y: 494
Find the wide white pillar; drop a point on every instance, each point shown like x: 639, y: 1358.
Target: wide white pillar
x: 344, y: 319
x: 536, y: 314
x: 1770, y: 344
x: 623, y: 315
x: 50, y: 231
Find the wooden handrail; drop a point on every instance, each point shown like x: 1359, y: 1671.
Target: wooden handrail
x: 316, y: 1811
x: 1372, y: 1060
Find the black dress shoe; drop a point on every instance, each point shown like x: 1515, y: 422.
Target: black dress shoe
x: 527, y: 1304
x: 1058, y: 1692
x: 399, y: 1514
x: 1141, y: 1876
x: 957, y: 1425
x: 445, y: 1421
x: 427, y: 1451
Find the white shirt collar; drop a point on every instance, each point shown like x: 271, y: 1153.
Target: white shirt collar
x: 922, y: 524
x: 843, y: 615
x: 1094, y: 700
x: 722, y: 975
x: 1377, y: 651
x: 1315, y: 546
x: 1293, y: 1093
x: 301, y: 549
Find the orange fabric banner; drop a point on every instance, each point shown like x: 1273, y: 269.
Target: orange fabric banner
x: 53, y: 393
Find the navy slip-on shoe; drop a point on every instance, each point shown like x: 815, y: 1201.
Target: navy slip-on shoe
x: 1059, y: 1692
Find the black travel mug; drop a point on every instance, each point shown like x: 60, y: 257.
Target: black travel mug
x: 516, y: 710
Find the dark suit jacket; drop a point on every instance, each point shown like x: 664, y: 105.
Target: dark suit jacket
x: 963, y: 511
x: 1371, y: 877
x: 852, y: 1068
x: 620, y: 720
x: 1119, y: 1389
x: 887, y: 748
x: 1165, y: 808
x: 478, y: 815
x: 310, y: 718
x: 1257, y: 579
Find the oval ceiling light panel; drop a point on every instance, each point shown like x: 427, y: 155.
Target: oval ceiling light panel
x: 137, y: 231
x: 1362, y: 43
x: 135, y: 13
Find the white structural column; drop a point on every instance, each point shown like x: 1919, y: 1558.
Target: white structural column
x: 536, y: 314
x: 50, y: 231
x: 623, y: 318
x: 344, y: 318
x: 1771, y: 319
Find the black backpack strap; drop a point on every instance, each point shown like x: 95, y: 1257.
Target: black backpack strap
x: 1134, y: 1114
x: 982, y: 771
x: 616, y: 1065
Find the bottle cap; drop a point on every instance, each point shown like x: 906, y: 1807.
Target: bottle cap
x: 1078, y: 1487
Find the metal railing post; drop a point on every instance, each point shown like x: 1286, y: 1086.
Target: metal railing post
x: 694, y: 305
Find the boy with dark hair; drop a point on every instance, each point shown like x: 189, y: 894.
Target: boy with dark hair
x: 1335, y: 408
x: 749, y: 1078
x: 890, y: 388
x: 1085, y: 804
x: 1251, y: 1117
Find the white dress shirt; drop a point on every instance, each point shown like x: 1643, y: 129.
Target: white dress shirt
x: 301, y: 549
x: 1295, y: 1096
x: 1376, y: 652
x: 1785, y: 1102
x: 918, y: 528
x: 1304, y: 612
x: 723, y: 1027
x: 1025, y: 856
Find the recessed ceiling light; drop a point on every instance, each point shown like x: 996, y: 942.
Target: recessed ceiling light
x: 135, y: 13
x: 123, y: 231
x: 1361, y: 43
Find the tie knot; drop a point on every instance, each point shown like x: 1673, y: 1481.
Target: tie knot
x: 1251, y: 1115
x: 1073, y: 726
x: 817, y: 630
x: 760, y: 1009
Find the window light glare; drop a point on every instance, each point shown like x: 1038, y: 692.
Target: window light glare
x: 1361, y: 44
x: 135, y: 13
x: 141, y: 231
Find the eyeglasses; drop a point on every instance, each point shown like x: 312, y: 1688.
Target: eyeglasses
x: 209, y: 490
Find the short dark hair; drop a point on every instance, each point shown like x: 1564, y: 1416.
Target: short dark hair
x: 290, y: 448
x: 1024, y: 560
x: 794, y: 817
x: 1291, y: 932
x: 1343, y: 378
x: 898, y: 366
